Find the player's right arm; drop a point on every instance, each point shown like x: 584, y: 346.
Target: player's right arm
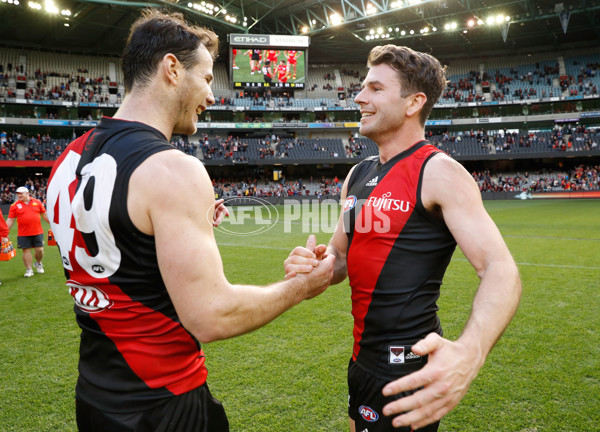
x: 207, y: 304
x: 300, y: 258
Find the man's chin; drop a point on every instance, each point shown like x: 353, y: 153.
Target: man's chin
x: 187, y: 131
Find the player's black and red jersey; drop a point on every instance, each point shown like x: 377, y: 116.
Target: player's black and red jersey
x: 134, y: 352
x: 397, y: 256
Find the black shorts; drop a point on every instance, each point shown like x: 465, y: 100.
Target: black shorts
x: 366, y: 402
x: 28, y: 242
x: 195, y: 411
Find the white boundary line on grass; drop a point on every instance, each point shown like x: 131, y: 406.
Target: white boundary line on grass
x: 454, y: 259
x: 551, y: 238
x: 542, y: 265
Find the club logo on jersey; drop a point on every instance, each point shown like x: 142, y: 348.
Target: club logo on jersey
x: 88, y: 298
x: 396, y: 354
x: 402, y: 355
x: 369, y: 414
x: 385, y: 203
x: 372, y: 182
x: 350, y: 203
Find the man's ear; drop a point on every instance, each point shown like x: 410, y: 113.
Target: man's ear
x: 416, y: 103
x: 171, y: 68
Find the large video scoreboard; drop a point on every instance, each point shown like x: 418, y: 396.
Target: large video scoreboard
x: 268, y: 61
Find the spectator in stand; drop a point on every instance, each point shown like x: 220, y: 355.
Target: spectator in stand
x: 27, y: 211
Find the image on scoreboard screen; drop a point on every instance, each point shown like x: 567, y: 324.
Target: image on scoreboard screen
x: 272, y: 67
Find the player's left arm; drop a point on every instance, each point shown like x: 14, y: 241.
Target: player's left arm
x: 451, y: 191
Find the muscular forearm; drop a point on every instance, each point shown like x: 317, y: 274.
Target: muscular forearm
x: 494, y: 306
x: 246, y: 308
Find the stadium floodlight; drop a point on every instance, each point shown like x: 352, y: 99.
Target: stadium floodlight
x: 304, y: 29
x: 380, y: 30
x: 470, y: 23
x: 490, y: 20
x: 499, y: 19
x: 371, y: 9
x: 50, y: 7
x: 335, y: 19
x: 403, y: 32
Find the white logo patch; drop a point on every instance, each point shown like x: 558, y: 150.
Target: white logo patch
x: 372, y: 182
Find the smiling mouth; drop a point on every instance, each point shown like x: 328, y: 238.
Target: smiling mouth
x: 365, y: 115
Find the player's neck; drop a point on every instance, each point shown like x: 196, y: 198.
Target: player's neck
x: 143, y: 107
x: 395, y: 143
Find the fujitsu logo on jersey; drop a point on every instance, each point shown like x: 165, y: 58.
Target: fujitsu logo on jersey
x: 385, y: 203
x: 89, y: 299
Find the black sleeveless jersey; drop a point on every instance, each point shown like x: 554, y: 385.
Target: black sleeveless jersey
x: 134, y: 352
x: 397, y: 256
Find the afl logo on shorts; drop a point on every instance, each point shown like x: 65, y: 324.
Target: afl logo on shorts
x: 368, y: 414
x: 350, y: 203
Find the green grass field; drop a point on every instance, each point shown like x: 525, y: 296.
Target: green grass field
x: 543, y: 376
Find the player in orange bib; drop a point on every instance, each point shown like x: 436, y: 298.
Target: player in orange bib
x: 292, y: 60
x: 271, y: 56
x: 282, y: 72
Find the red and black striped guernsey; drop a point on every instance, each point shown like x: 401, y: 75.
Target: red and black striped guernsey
x: 134, y: 352
x: 397, y: 255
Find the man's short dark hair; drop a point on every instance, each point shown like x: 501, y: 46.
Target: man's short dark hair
x: 156, y: 34
x: 418, y: 72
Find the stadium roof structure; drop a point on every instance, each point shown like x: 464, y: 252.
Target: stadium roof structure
x: 341, y: 31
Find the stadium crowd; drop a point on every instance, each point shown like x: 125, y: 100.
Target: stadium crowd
x: 515, y: 83
x: 579, y: 178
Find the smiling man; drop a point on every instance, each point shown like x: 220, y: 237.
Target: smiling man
x: 141, y: 261
x: 404, y: 212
